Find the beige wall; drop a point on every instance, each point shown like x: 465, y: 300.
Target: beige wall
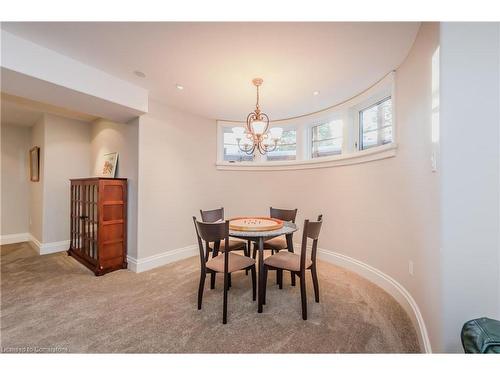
x: 15, y: 179
x: 109, y: 137
x: 68, y: 149
x: 176, y: 177
x: 383, y: 213
x: 67, y: 155
x: 37, y: 188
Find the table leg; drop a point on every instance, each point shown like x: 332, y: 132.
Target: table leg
x: 289, y: 244
x: 261, y: 274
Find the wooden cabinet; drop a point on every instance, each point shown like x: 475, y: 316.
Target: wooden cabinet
x: 99, y: 223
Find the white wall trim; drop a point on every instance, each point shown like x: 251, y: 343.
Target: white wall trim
x: 7, y: 239
x: 42, y: 248
x: 372, y: 154
x: 49, y: 247
x: 158, y: 260
x: 391, y: 286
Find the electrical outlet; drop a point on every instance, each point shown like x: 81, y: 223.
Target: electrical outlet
x: 433, y: 163
x: 410, y: 267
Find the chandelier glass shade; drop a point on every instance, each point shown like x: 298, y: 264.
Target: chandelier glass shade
x: 256, y: 135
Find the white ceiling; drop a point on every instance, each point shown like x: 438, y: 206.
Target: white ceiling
x: 216, y: 62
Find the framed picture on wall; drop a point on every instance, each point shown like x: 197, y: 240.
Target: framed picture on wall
x: 35, y: 164
x: 109, y: 164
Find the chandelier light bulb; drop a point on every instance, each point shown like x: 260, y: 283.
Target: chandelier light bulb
x: 258, y: 127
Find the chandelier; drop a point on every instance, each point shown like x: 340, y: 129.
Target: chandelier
x: 257, y: 135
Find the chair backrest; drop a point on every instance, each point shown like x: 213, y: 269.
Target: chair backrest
x: 211, y: 216
x: 285, y: 215
x: 211, y: 232
x: 311, y: 230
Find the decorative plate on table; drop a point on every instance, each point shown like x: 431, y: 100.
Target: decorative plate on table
x: 254, y: 224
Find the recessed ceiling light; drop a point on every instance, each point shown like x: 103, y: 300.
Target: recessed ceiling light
x: 316, y: 93
x: 139, y: 74
x: 179, y: 87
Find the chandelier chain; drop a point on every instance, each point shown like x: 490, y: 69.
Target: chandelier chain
x: 257, y: 104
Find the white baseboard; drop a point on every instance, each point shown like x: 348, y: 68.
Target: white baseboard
x: 49, y: 247
x: 148, y: 263
x: 391, y: 286
x: 14, y: 238
x: 42, y: 248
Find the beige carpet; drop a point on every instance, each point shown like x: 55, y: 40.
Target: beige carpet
x: 53, y: 303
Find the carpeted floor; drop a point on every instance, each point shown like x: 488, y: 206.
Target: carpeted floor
x: 52, y: 303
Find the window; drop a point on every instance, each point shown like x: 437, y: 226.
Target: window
x: 326, y: 139
x: 375, y: 125
x: 287, y: 147
x: 354, y: 131
x: 231, y: 149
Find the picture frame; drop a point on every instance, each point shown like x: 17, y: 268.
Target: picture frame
x: 35, y: 164
x: 109, y: 162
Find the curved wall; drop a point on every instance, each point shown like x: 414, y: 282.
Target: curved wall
x: 383, y: 213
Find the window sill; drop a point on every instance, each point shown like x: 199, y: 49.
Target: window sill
x: 372, y: 154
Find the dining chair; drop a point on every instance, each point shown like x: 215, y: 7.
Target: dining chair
x: 298, y: 264
x: 278, y: 243
x: 217, y: 215
x: 226, y: 262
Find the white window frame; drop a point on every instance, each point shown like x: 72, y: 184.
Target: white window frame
x: 369, y: 102
x: 347, y: 111
x: 321, y: 121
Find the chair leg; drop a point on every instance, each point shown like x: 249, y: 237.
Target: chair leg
x: 212, y: 280
x: 254, y: 283
x: 265, y: 286
x: 315, y: 283
x: 229, y: 285
x: 200, y: 289
x: 289, y: 246
x: 246, y: 252
x: 254, y: 255
x: 303, y: 295
x: 224, y: 306
x: 279, y: 276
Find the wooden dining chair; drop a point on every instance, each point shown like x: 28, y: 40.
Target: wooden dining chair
x: 217, y: 215
x: 278, y: 243
x: 298, y: 264
x: 226, y: 262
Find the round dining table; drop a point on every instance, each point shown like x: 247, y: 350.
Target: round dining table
x: 258, y: 238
